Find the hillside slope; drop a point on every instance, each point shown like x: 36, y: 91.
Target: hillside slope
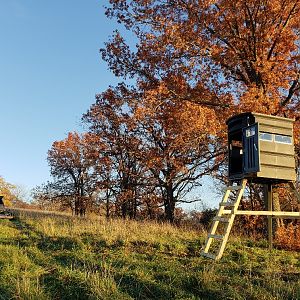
x: 59, y: 257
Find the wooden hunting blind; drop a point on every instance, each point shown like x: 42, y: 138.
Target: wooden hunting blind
x: 261, y: 148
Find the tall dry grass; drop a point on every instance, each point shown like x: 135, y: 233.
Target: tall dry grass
x: 57, y: 256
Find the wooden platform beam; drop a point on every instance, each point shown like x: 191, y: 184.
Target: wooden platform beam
x: 229, y: 209
x: 275, y: 214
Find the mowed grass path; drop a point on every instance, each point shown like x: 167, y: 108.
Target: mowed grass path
x: 59, y: 257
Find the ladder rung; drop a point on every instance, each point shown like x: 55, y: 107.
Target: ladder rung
x: 209, y: 255
x: 216, y: 236
x: 234, y: 187
x: 227, y: 204
x: 220, y: 219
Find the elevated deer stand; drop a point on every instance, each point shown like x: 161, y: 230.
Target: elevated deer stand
x: 261, y: 150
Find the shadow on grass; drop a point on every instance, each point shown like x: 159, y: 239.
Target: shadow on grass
x: 6, y: 291
x: 67, y: 287
x: 94, y: 240
x: 67, y: 266
x: 139, y: 288
x: 31, y: 236
x: 48, y: 243
x: 151, y: 273
x: 59, y: 280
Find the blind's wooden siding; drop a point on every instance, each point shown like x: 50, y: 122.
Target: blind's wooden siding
x: 277, y: 160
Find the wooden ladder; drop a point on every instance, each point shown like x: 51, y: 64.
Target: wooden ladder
x: 226, y: 216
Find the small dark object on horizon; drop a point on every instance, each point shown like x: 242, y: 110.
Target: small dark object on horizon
x: 4, y: 213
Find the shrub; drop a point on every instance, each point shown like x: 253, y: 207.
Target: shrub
x: 288, y: 237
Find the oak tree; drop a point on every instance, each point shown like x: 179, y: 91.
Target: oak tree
x: 71, y: 166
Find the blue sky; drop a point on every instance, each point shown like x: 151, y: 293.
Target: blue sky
x: 50, y: 71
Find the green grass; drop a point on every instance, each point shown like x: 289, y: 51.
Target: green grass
x: 59, y: 257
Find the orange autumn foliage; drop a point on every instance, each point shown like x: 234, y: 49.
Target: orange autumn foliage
x: 252, y: 44
x: 194, y: 64
x: 227, y: 53
x: 72, y: 166
x: 288, y: 237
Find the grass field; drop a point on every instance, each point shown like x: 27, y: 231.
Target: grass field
x: 59, y: 257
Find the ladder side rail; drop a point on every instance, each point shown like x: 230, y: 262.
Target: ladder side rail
x: 215, y: 223
x: 231, y: 219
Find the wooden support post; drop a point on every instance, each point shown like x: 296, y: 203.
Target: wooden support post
x: 270, y: 220
x: 269, y: 208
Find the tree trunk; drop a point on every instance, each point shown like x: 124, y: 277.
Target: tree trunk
x: 107, y: 205
x: 124, y: 209
x: 169, y: 204
x: 276, y: 205
x: 76, y: 208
